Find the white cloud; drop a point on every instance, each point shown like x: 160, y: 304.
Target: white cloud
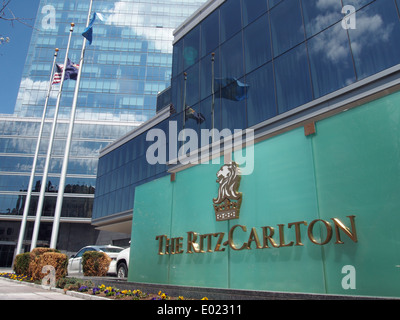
x: 333, y: 43
x: 130, y: 14
x: 35, y: 92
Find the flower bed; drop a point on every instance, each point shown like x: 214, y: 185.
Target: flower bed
x: 87, y: 287
x: 16, y: 277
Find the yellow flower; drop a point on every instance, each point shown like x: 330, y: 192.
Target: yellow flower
x: 163, y: 296
x: 159, y: 293
x: 205, y: 298
x: 181, y: 298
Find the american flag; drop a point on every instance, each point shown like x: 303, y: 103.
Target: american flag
x: 58, y: 74
x: 71, y: 72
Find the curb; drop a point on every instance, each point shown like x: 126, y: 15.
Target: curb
x: 68, y: 293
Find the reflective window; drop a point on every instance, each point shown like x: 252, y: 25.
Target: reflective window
x: 252, y: 9
x: 192, y: 85
x: 257, y: 49
x: 293, y: 84
x: 375, y: 42
x: 210, y: 33
x: 231, y: 19
x: 330, y: 61
x: 206, y: 74
x: 232, y: 58
x: 286, y: 35
x: 261, y: 103
x: 191, y: 48
x: 319, y: 15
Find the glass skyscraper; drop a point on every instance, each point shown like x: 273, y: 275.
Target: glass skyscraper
x: 128, y: 63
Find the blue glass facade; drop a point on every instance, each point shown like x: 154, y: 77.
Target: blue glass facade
x: 127, y: 65
x: 121, y: 171
x: 290, y: 53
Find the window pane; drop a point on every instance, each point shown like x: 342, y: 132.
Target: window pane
x: 261, y: 95
x: 286, y: 35
x: 330, y: 61
x: 252, y: 9
x: 257, y: 43
x: 375, y: 42
x: 206, y: 74
x: 232, y: 58
x: 233, y: 113
x: 293, y: 85
x: 192, y: 85
x: 191, y: 48
x: 231, y: 20
x: 319, y: 15
x: 210, y: 33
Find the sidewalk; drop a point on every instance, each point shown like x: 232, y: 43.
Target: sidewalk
x: 14, y: 290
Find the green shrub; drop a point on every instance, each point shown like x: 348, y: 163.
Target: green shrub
x: 21, y: 264
x: 95, y: 263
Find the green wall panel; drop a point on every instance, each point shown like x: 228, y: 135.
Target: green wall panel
x: 281, y: 190
x: 350, y: 167
x: 152, y: 216
x: 358, y: 169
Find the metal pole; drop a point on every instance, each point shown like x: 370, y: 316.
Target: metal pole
x: 60, y: 195
x: 184, y: 112
x: 35, y: 159
x: 49, y: 150
x: 213, y: 97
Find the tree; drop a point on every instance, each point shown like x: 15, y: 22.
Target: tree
x: 6, y: 14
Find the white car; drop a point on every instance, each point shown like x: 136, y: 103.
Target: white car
x: 75, y: 261
x: 123, y: 263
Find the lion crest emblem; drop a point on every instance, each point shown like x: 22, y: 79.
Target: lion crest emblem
x: 227, y: 204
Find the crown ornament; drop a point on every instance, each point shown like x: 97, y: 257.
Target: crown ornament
x: 227, y: 204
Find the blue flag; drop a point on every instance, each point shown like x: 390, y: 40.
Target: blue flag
x: 88, y: 32
x: 232, y: 89
x: 71, y: 72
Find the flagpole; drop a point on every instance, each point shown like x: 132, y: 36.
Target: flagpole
x: 213, y: 97
x: 60, y: 196
x: 35, y: 160
x: 184, y: 112
x: 50, y: 149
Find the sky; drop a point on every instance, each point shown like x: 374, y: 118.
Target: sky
x: 13, y: 54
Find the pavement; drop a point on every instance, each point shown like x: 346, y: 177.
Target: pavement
x: 16, y: 290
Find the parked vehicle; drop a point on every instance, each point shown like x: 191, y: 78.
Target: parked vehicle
x: 75, y: 261
x: 123, y: 263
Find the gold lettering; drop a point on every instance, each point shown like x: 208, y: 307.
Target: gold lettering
x: 328, y: 229
x: 178, y: 246
x: 268, y: 233
x: 297, y: 229
x: 171, y: 245
x: 191, y: 243
x: 160, y: 244
x: 254, y: 237
x: 230, y: 238
x: 339, y: 225
x: 282, y: 237
x: 219, y: 242
x: 208, y: 237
